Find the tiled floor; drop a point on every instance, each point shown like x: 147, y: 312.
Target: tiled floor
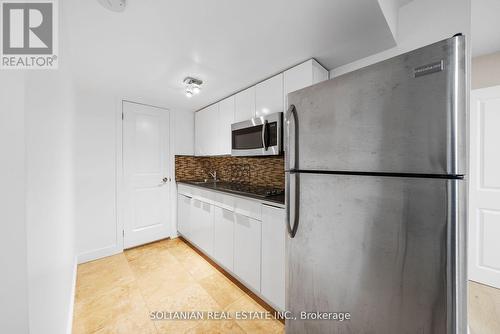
x: 116, y: 294
x: 484, y: 309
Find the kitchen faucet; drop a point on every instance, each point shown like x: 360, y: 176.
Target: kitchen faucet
x: 213, y: 175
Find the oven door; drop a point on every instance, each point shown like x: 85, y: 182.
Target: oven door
x: 258, y: 136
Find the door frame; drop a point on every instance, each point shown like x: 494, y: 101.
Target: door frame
x: 473, y: 246
x: 120, y: 228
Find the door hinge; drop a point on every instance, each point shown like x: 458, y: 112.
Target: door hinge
x: 123, y: 232
x: 123, y: 117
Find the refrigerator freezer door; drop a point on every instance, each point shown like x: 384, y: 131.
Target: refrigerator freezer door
x: 384, y: 249
x: 403, y: 115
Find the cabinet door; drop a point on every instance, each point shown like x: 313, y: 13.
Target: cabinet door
x: 183, y: 215
x: 200, y: 132
x: 319, y: 72
x: 224, y: 237
x: 206, y: 127
x: 195, y: 222
x: 273, y: 255
x: 212, y: 122
x: 244, y: 105
x: 206, y: 228
x: 303, y: 75
x: 247, y: 234
x: 269, y: 96
x: 226, y: 118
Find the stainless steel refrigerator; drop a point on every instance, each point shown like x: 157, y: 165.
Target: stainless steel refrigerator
x: 376, y: 197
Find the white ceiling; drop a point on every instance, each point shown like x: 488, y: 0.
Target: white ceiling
x: 145, y: 52
x: 485, y: 26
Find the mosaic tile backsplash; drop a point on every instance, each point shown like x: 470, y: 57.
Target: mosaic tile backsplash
x: 259, y: 171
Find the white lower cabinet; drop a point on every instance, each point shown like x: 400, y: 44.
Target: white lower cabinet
x: 247, y: 238
x: 206, y: 221
x: 273, y: 255
x: 183, y: 215
x: 224, y: 237
x: 244, y: 236
x: 202, y: 225
x: 194, y: 221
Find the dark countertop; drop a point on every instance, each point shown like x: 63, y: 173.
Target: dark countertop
x: 276, y: 199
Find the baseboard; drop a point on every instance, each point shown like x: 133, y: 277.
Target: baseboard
x: 69, y: 329
x: 98, y: 254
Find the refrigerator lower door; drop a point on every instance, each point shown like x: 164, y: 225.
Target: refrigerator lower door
x: 387, y: 250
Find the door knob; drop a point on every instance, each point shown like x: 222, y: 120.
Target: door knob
x: 163, y: 181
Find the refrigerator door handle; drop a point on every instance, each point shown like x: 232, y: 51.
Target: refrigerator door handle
x: 291, y: 113
x: 292, y: 230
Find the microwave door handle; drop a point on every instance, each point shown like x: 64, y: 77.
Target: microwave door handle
x: 265, y: 144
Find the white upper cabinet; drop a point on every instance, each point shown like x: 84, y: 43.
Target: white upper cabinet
x: 213, y: 124
x: 244, y: 105
x: 269, y: 96
x: 306, y: 74
x: 206, y: 131
x: 200, y: 146
x: 226, y: 118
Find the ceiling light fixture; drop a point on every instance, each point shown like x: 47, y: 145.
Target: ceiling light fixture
x: 193, y: 86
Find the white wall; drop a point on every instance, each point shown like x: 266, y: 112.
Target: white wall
x: 97, y: 135
x: 13, y: 250
x: 420, y: 22
x: 37, y: 247
x: 50, y: 223
x: 36, y: 194
x: 95, y: 171
x: 49, y: 113
x: 182, y: 143
x: 486, y: 71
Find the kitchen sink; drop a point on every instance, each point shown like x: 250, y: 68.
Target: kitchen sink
x: 207, y: 181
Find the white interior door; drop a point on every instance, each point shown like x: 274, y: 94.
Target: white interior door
x: 146, y: 174
x: 484, y: 187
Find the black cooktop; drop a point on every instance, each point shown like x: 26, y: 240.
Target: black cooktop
x: 263, y: 192
x: 267, y: 193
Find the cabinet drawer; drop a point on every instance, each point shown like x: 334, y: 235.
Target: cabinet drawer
x: 238, y: 205
x: 184, y: 190
x: 202, y: 195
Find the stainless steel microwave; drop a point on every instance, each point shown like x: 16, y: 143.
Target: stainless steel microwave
x: 258, y: 136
